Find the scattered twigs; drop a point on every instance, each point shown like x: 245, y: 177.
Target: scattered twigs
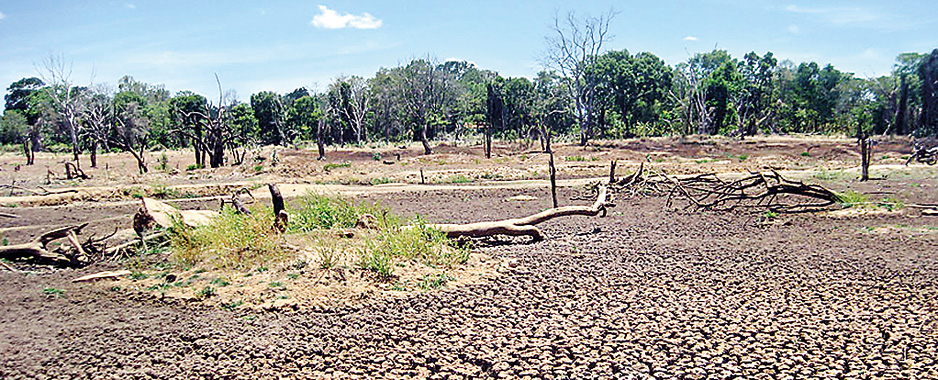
x: 6, y: 215
x: 707, y: 191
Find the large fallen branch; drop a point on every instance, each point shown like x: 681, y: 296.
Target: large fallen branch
x: 769, y: 191
x: 525, y: 226
x: 39, y: 252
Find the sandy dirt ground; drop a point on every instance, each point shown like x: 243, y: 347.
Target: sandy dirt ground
x: 646, y: 292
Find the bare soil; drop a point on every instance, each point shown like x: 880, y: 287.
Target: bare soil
x: 647, y: 292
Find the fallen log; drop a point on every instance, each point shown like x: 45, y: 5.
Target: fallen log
x: 37, y: 250
x: 524, y: 226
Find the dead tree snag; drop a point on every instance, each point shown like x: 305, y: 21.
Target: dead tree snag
x: 281, y: 218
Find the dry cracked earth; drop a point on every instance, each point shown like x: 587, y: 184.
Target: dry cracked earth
x: 641, y: 294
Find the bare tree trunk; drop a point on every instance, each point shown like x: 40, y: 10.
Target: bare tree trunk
x: 94, y: 153
x: 320, y: 144
x: 423, y: 139
x: 866, y: 154
x: 488, y: 140
x: 553, y: 180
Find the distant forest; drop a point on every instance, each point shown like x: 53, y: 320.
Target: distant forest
x: 581, y: 96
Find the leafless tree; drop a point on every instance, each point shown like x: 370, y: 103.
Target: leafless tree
x: 691, y: 95
x: 67, y: 100
x: 423, y: 89
x: 574, y: 45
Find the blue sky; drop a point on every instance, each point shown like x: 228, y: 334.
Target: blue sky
x: 280, y: 45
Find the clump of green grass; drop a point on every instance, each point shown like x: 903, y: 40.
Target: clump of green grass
x: 206, y: 292
x: 314, y: 211
x: 333, y: 165
x: 430, y: 282
x: 164, y: 192
x: 232, y: 240
x: 574, y: 158
x: 238, y: 241
x: 376, y: 156
x: 418, y: 242
x: 381, y: 181
x: 459, y: 178
x: 53, y: 292
x: 805, y: 154
x: 852, y: 198
x: 221, y: 282
x: 829, y: 175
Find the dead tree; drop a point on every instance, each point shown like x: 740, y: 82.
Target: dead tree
x: 525, y: 226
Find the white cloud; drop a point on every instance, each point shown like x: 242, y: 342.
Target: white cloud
x: 330, y: 19
x: 690, y: 38
x: 2, y: 16
x: 131, y: 6
x: 794, y: 29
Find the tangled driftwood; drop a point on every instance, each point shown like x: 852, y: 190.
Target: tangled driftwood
x: 38, y: 250
x: 769, y: 191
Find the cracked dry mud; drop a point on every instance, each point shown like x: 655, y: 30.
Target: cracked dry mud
x: 642, y: 293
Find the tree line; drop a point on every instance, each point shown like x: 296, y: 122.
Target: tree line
x: 584, y: 94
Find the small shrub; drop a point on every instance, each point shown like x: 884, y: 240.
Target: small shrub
x: 293, y: 276
x: 805, y: 154
x: 258, y: 168
x: 276, y: 284
x: 163, y: 162
x: 194, y: 167
x: 770, y: 214
x: 574, y: 158
x: 232, y: 305
x: 138, y: 275
x: 221, y: 282
x: 376, y: 156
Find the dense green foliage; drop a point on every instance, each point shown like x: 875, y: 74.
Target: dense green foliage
x: 629, y: 95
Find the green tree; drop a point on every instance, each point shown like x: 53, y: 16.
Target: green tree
x: 270, y: 113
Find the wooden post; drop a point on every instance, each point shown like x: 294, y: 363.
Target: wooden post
x: 612, y: 172
x: 553, y: 180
